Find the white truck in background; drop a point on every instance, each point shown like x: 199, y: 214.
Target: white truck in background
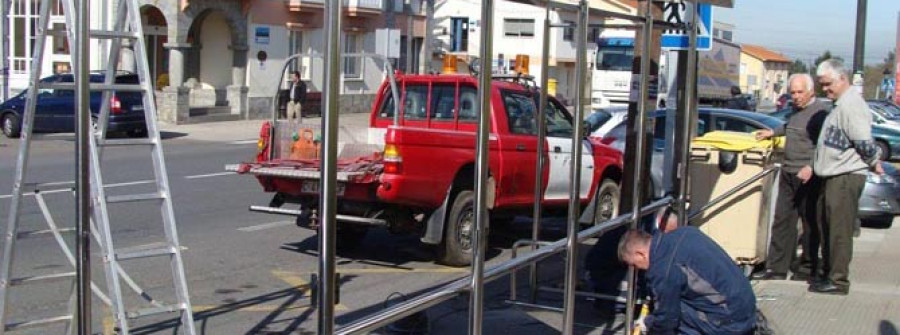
x: 717, y: 71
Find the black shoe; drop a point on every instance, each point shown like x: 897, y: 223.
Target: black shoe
x: 768, y: 275
x: 827, y: 287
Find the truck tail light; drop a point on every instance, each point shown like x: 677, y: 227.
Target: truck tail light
x: 265, y: 140
x: 392, y: 159
x: 115, y: 106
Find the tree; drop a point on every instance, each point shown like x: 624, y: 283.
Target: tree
x: 798, y: 66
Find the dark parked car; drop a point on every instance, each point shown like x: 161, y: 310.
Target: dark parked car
x: 55, y: 109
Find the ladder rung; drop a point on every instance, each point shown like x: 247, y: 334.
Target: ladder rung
x: 37, y: 323
x: 154, y: 310
x: 95, y: 87
x: 44, y: 278
x: 134, y: 197
x: 165, y: 251
x: 113, y: 34
x: 126, y: 142
x: 35, y: 233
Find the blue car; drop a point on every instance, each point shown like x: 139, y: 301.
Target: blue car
x: 885, y: 132
x: 55, y: 109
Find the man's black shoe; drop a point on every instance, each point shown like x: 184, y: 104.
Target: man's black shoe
x: 768, y: 275
x: 827, y: 287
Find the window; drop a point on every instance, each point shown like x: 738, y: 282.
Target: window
x: 615, y: 58
x: 459, y: 34
x: 732, y: 124
x: 520, y: 111
x: 751, y: 80
x: 387, y: 105
x: 295, y: 45
x: 60, y: 43
x: 727, y: 35
x: 468, y: 104
x: 443, y: 102
x: 415, y: 102
x: 559, y: 122
x: 352, y: 65
x: 593, y: 35
x: 518, y: 27
x: 569, y: 31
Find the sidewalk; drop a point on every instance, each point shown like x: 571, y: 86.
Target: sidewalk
x: 872, y: 307
x: 248, y: 130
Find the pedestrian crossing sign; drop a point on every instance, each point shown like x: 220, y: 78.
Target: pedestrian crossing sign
x: 681, y: 12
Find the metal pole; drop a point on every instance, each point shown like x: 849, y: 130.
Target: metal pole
x: 328, y: 175
x: 859, y: 46
x: 476, y: 302
x: 636, y: 195
x: 542, y: 135
x: 429, y: 36
x: 688, y: 104
x: 82, y: 185
x: 575, y: 171
x: 4, y: 49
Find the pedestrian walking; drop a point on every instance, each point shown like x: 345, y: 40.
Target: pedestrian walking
x: 696, y: 286
x: 845, y: 152
x: 737, y: 101
x: 297, y: 96
x: 798, y: 187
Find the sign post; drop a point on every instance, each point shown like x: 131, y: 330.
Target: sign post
x: 681, y: 12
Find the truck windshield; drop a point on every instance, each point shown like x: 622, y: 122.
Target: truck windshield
x: 615, y: 58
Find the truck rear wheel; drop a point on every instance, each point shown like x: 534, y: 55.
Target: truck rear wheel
x: 459, y: 233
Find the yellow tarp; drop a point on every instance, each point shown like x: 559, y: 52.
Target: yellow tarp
x: 736, y: 141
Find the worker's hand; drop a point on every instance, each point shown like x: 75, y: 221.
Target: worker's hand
x: 640, y: 327
x: 764, y: 134
x: 879, y: 170
x: 805, y: 174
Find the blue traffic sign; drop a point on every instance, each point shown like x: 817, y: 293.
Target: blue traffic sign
x: 677, y: 13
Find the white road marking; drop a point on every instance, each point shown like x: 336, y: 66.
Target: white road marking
x: 266, y: 226
x: 209, y: 175
x: 245, y: 142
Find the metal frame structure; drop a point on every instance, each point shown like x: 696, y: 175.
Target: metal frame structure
x: 475, y: 283
x: 91, y: 199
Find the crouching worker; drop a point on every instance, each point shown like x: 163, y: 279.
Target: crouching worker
x: 696, y: 287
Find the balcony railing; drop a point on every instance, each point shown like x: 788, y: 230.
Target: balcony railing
x: 365, y: 4
x: 299, y: 4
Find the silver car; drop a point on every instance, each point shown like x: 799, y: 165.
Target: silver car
x: 878, y: 204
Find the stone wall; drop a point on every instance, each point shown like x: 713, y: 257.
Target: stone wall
x: 261, y: 107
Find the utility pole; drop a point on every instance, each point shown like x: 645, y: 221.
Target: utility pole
x: 859, y: 46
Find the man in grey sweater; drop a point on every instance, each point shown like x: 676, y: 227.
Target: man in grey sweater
x: 798, y: 188
x: 844, y: 153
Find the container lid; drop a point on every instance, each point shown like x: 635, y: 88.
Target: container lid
x: 735, y: 141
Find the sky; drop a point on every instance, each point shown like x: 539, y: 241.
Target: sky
x: 804, y: 29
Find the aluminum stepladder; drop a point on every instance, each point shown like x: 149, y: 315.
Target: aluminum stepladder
x: 127, y: 27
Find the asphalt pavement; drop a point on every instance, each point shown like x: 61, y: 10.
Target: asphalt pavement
x: 250, y: 273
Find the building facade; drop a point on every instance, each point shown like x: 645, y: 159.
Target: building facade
x: 518, y: 30
x: 223, y: 59
x: 763, y: 72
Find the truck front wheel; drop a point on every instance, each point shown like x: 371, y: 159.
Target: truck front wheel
x: 459, y: 233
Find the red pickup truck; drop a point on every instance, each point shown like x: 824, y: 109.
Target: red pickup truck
x: 417, y: 174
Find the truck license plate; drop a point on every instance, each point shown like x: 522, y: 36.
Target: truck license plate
x: 312, y: 186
